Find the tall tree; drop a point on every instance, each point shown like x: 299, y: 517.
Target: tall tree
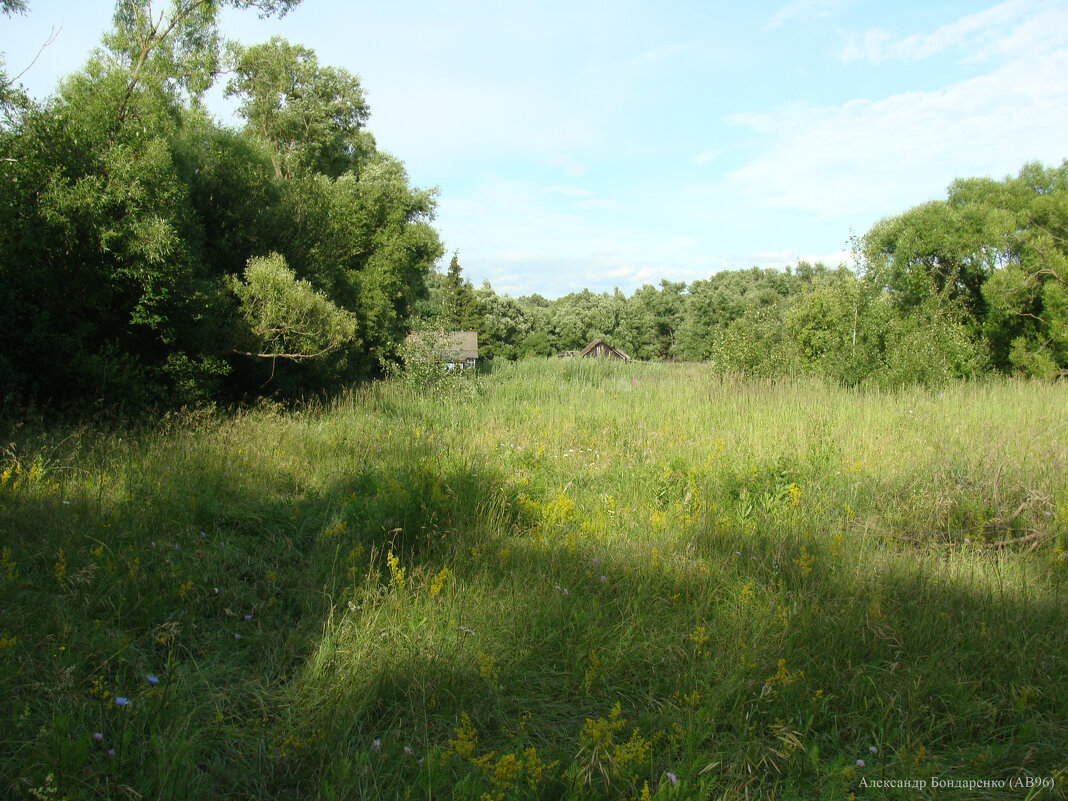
x: 313, y: 116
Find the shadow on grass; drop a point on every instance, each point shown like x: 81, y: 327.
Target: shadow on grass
x: 296, y: 661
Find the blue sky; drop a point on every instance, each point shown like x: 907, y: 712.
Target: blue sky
x: 599, y: 145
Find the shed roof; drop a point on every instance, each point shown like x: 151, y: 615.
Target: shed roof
x: 449, y: 345
x: 597, y: 343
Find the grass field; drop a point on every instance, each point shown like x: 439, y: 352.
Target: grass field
x: 563, y: 580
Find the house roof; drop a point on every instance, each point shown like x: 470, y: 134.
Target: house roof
x: 450, y: 345
x: 593, y: 346
x: 459, y: 344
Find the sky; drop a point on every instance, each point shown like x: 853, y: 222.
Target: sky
x: 594, y: 145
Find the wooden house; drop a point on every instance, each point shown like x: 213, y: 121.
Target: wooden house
x: 599, y: 349
x: 454, y: 349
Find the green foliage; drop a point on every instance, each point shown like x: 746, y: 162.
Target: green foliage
x: 130, y: 215
x: 313, y: 116
x: 423, y: 364
x: 287, y: 318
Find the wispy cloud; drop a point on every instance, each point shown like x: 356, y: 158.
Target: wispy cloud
x: 597, y: 203
x: 804, y: 9
x: 570, y: 166
x: 867, y: 155
x: 569, y: 191
x: 1009, y: 29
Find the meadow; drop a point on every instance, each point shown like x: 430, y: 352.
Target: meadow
x: 562, y: 579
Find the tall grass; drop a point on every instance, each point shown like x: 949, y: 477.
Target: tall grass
x: 569, y: 580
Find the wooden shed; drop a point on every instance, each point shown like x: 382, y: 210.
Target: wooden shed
x: 452, y: 348
x: 599, y: 349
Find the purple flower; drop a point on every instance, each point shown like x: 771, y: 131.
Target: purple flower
x: 873, y: 749
x: 202, y: 535
x: 111, y: 753
x: 672, y: 778
x: 237, y: 636
x: 121, y: 701
x: 596, y: 563
x: 376, y: 745
x: 153, y: 543
x: 603, y: 579
x: 152, y: 679
x: 98, y: 736
x: 248, y: 617
x: 408, y: 750
x: 860, y: 763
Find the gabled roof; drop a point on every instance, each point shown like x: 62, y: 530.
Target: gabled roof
x: 593, y: 346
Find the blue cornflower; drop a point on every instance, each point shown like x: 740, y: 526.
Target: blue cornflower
x: 152, y: 679
x: 121, y: 701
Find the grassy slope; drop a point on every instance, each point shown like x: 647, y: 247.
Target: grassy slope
x: 571, y: 583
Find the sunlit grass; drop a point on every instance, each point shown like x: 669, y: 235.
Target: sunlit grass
x: 567, y: 580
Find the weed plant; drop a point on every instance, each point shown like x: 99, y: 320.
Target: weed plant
x: 569, y: 580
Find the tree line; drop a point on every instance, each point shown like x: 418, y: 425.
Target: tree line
x: 952, y: 288
x: 150, y: 255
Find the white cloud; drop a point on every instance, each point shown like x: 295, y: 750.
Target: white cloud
x: 875, y: 157
x: 597, y: 203
x: 569, y: 191
x: 804, y: 9
x: 570, y: 166
x: 1009, y: 29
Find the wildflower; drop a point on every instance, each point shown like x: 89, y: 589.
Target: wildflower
x: 596, y: 563
x: 860, y: 763
x: 237, y: 636
x: 202, y: 535
x: 603, y: 579
x: 98, y: 736
x: 152, y: 679
x: 111, y: 753
x: 153, y: 543
x: 248, y: 617
x: 408, y: 750
x: 873, y: 749
x: 121, y: 701
x: 672, y: 778
x: 376, y: 745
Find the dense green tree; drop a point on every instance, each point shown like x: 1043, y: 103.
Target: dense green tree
x: 651, y: 318
x: 461, y: 308
x: 130, y: 218
x: 313, y: 116
x: 712, y: 304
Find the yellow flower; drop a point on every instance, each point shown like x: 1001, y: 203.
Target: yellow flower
x: 396, y: 572
x: 466, y: 739
x: 61, y: 566
x: 805, y: 561
x: 439, y: 581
